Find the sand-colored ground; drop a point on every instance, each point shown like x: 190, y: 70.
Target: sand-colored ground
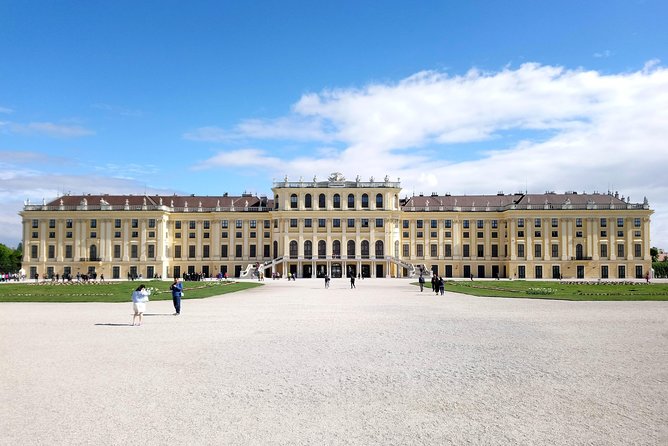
x: 294, y: 364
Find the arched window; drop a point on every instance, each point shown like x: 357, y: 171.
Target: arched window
x: 365, y: 201
x: 337, y: 201
x: 93, y: 252
x: 307, y: 201
x: 293, y: 201
x: 275, y: 249
x: 351, y: 249
x: 379, y: 201
x: 276, y: 202
x: 351, y: 201
x: 322, y: 249
x: 336, y: 249
x: 578, y: 252
x: 321, y: 201
x: 308, y: 249
x: 293, y: 249
x: 365, y: 249
x: 380, y: 249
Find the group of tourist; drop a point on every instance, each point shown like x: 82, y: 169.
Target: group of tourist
x: 437, y: 284
x: 11, y: 277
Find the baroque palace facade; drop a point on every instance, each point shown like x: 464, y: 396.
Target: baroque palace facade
x: 338, y: 228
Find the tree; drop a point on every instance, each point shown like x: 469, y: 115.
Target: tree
x: 10, y: 259
x: 654, y: 252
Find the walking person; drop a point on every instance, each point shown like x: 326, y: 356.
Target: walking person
x: 352, y: 281
x: 327, y: 281
x: 421, y: 281
x: 441, y: 285
x: 177, y: 294
x: 139, y: 299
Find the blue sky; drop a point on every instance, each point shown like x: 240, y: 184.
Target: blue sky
x: 450, y: 96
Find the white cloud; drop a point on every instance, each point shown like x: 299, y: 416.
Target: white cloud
x: 6, y: 110
x: 597, y: 131
x: 47, y: 128
x: 290, y: 128
x: 603, y: 54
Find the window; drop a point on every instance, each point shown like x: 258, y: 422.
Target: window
x: 604, y: 233
x: 239, y: 224
x: 364, y: 249
x: 52, y: 252
x: 93, y: 234
x: 237, y: 234
x: 480, y: 224
x: 520, y: 222
x: 206, y: 234
x: 52, y: 223
x: 380, y: 248
x: 238, y: 250
x: 433, y: 250
x: 224, y: 234
x: 495, y: 234
x: 578, y: 234
x: 68, y: 252
x: 537, y: 251
x: 35, y: 224
x: 322, y: 223
x: 177, y: 252
x: 267, y: 251
x: 621, y: 272
x: 537, y: 223
x: 307, y: 203
x: 337, y: 201
x: 151, y: 234
x: 321, y: 201
x: 604, y: 222
x: 177, y: 225
x: 555, y: 222
x: 293, y: 201
x: 420, y: 250
x: 433, y: 234
x: 117, y: 251
x: 448, y: 250
x: 351, y: 222
x: 308, y: 222
x: 223, y: 224
x: 253, y: 251
x: 93, y: 223
x: 405, y: 234
x: 322, y: 249
x: 365, y: 222
x: 555, y: 250
x: 134, y: 251
x: 405, y: 250
x: 336, y: 249
x: 223, y: 250
x: 495, y: 250
x: 379, y: 201
x: 620, y: 234
x: 52, y: 234
x: 479, y: 235
x: 293, y: 222
x: 191, y: 251
x: 151, y: 223
x: 520, y: 233
x: 379, y: 222
x: 578, y: 222
x: 350, y: 249
x: 405, y: 224
x: 466, y: 250
x: 336, y: 222
x: 150, y: 251
x: 365, y: 201
x: 465, y: 234
x: 481, y: 250
x: 620, y: 250
x: 520, y: 250
x: 34, y: 250
x: 308, y: 249
x: 495, y: 224
x: 637, y: 250
x: 420, y: 224
x: 620, y: 222
x: 134, y: 223
x: 465, y: 224
x: 267, y: 224
x: 604, y: 251
x: 351, y: 201
x: 253, y: 224
x: 447, y: 224
x: 191, y: 235
x: 636, y: 222
x: 555, y: 233
x: 536, y: 233
x: 419, y: 234
x: 68, y: 223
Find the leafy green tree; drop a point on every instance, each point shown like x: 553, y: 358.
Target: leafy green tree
x: 654, y: 252
x: 10, y: 259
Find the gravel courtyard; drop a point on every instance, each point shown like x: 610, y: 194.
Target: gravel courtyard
x: 292, y: 363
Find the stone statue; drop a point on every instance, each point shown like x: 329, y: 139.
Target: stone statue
x: 336, y: 177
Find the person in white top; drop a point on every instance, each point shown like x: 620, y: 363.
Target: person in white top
x: 139, y: 299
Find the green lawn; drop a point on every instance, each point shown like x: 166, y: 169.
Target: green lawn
x: 557, y: 290
x: 112, y: 291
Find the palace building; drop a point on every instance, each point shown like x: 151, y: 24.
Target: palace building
x: 340, y: 227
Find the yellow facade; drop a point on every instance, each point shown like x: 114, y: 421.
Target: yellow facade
x: 338, y: 227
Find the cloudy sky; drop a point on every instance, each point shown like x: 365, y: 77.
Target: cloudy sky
x: 449, y: 96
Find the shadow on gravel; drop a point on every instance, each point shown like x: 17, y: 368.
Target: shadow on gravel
x: 115, y: 325
x: 158, y: 314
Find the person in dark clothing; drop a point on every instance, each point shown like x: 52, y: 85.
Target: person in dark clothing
x: 177, y: 293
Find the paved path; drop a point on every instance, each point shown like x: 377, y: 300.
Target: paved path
x: 294, y: 364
